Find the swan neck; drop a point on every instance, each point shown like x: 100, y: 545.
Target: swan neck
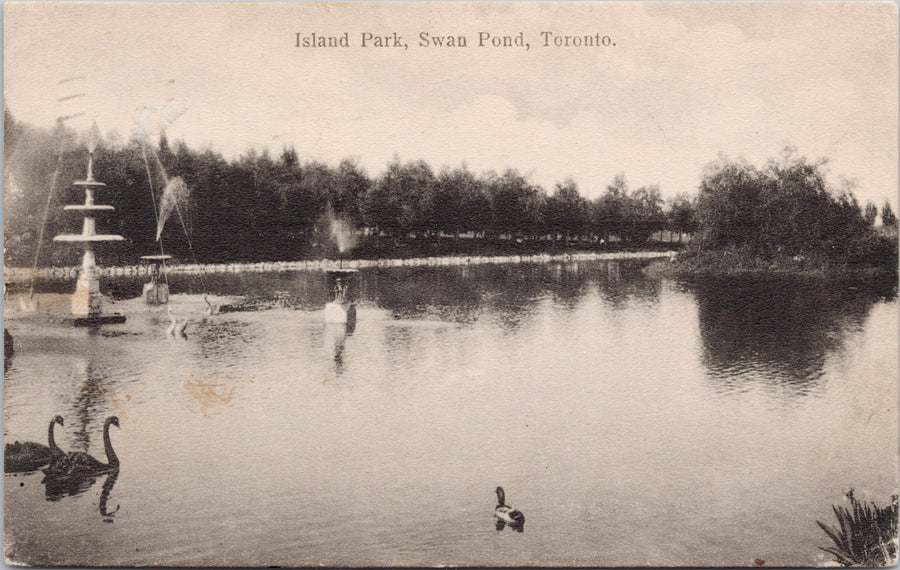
x: 111, y: 456
x: 51, y: 442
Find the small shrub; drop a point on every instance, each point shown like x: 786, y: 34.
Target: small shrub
x: 866, y: 534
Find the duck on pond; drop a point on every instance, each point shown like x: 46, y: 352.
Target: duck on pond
x: 507, y: 515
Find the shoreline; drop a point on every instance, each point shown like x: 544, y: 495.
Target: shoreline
x: 728, y: 264
x: 24, y: 274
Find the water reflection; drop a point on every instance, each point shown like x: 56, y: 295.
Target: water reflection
x: 104, y: 496
x: 335, y: 339
x: 567, y: 283
x: 8, y: 347
x: 416, y: 293
x: 303, y: 290
x: 219, y: 335
x: 463, y: 294
x: 510, y: 293
x: 93, y: 392
x: 600, y: 363
x: 623, y: 284
x: 58, y: 486
x: 775, y: 330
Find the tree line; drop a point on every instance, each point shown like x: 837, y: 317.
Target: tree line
x: 264, y: 208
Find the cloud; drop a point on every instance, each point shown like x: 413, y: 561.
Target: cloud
x: 683, y: 83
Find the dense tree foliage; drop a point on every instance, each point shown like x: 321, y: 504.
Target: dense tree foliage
x: 870, y: 213
x: 257, y: 207
x: 631, y: 215
x: 566, y: 212
x: 785, y: 214
x: 516, y: 205
x: 888, y: 218
x: 682, y: 215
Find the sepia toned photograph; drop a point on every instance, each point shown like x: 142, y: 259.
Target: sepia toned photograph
x: 471, y: 284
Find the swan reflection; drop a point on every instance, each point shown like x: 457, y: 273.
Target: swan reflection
x: 104, y: 497
x: 59, y: 486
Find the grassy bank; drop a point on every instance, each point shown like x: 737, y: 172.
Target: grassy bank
x: 694, y: 263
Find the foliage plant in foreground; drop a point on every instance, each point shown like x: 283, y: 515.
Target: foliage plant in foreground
x: 866, y: 534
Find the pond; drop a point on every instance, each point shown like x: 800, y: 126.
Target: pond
x: 632, y: 419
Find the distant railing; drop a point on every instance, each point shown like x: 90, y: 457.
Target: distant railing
x: 19, y: 274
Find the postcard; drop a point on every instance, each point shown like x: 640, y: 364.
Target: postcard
x: 491, y: 284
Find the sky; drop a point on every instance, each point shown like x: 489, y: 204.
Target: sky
x: 678, y: 85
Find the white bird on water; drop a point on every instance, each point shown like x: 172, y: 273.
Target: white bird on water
x: 176, y: 329
x: 210, y: 308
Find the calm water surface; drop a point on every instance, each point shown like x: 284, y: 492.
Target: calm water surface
x: 634, y: 420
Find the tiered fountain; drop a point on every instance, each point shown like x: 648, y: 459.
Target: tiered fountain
x: 87, y: 302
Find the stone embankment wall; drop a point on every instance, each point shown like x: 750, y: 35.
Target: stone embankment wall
x: 19, y: 274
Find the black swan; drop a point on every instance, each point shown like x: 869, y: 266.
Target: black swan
x: 21, y: 457
x: 80, y: 464
x: 508, y: 515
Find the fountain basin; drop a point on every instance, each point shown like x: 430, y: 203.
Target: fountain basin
x: 88, y: 237
x: 88, y: 208
x: 340, y: 313
x: 341, y: 310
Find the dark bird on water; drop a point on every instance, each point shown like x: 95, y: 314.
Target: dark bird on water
x: 8, y: 344
x: 80, y: 464
x: 26, y: 456
x: 507, y: 515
